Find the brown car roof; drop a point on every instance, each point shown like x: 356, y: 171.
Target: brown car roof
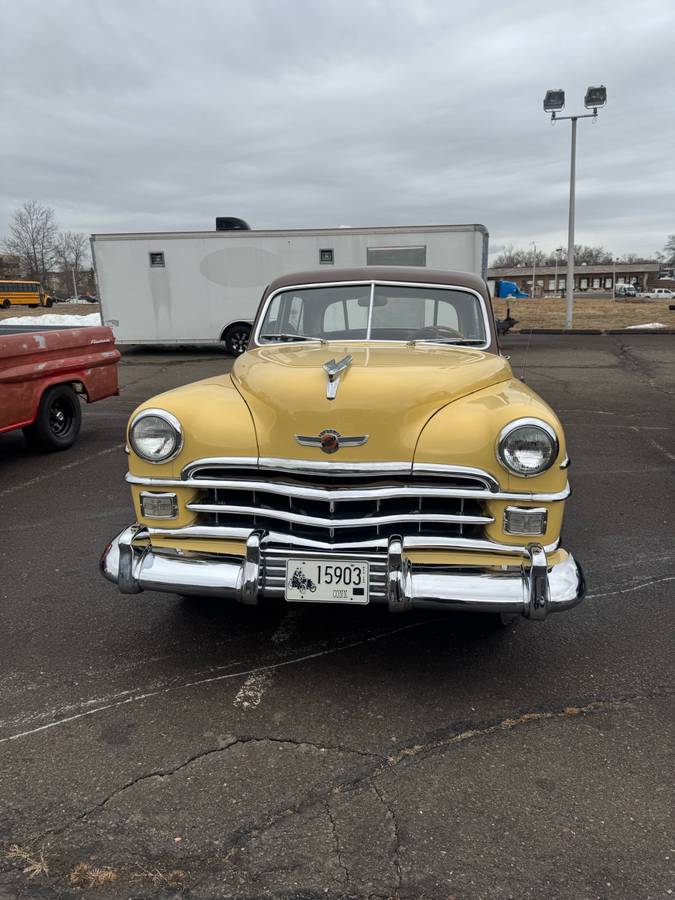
x: 381, y: 273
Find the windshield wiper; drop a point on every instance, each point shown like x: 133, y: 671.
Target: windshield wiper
x: 291, y: 337
x: 467, y: 342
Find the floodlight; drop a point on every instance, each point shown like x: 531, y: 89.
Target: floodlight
x: 554, y: 101
x: 595, y: 96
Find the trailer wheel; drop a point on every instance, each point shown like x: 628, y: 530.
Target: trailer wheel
x: 236, y: 339
x: 58, y: 420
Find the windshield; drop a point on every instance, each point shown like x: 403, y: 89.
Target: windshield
x: 379, y: 313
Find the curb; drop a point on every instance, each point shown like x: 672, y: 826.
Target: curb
x: 592, y: 331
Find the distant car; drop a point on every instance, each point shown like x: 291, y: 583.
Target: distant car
x: 659, y: 294
x: 625, y: 290
x: 87, y: 298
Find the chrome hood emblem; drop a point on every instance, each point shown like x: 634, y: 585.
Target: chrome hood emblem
x: 330, y: 440
x: 334, y: 370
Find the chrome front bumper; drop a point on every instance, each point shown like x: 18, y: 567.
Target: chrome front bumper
x: 532, y: 589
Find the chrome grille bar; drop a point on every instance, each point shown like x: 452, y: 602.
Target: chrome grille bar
x: 321, y: 522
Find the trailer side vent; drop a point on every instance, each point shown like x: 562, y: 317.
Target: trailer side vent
x: 230, y: 223
x: 157, y: 260
x: 397, y: 256
x: 326, y: 257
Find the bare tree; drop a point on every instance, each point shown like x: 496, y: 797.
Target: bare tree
x: 32, y: 235
x: 71, y: 255
x: 670, y: 249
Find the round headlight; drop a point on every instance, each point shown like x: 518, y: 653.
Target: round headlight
x: 527, y: 447
x: 155, y: 435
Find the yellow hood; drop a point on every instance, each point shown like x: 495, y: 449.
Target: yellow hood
x: 388, y: 392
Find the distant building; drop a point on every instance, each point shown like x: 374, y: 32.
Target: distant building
x: 593, y: 279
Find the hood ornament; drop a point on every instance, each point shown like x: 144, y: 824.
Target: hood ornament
x: 330, y: 440
x: 334, y: 370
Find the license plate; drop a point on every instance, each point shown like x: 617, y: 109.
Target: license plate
x: 327, y: 581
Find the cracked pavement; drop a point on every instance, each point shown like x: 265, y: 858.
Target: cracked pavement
x: 373, y: 756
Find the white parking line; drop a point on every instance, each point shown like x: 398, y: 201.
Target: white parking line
x: 173, y: 688
x: 52, y: 472
x: 252, y: 690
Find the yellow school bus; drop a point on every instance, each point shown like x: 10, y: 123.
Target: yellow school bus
x: 23, y: 293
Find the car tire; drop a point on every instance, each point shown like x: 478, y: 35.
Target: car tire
x: 58, y: 420
x: 236, y: 339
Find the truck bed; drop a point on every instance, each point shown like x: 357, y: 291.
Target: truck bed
x: 33, y: 359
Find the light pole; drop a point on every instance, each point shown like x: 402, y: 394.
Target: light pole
x: 534, y: 268
x: 558, y: 251
x: 613, y: 277
x: 554, y: 101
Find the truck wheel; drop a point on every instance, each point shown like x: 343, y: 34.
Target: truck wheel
x: 58, y: 420
x: 49, y: 302
x: 6, y: 304
x: 236, y: 339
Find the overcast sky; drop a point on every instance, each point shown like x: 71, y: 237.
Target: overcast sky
x: 149, y: 115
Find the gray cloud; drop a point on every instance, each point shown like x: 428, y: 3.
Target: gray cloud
x: 160, y: 115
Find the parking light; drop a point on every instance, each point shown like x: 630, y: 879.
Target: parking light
x: 158, y: 506
x: 525, y: 521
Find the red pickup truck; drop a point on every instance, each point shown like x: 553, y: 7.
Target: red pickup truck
x: 43, y: 374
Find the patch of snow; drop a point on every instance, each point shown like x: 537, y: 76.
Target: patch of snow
x: 646, y: 325
x: 54, y: 319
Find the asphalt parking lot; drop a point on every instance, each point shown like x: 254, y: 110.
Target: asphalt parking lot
x: 149, y: 747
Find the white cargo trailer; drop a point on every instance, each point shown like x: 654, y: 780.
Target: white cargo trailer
x: 204, y: 286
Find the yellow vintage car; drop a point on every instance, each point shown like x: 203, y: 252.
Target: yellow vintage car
x: 371, y: 446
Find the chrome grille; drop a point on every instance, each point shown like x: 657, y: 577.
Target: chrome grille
x: 357, y: 509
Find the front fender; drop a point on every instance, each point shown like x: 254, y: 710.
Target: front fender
x: 465, y: 433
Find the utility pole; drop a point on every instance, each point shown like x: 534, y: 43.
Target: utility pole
x: 534, y: 269
x: 553, y: 103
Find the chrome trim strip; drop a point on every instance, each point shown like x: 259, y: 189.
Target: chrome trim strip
x: 321, y: 522
x: 413, y: 542
x: 170, y: 420
x: 442, y: 469
x: 348, y: 494
x: 339, y: 468
x: 565, y: 464
x: 312, y: 467
x: 372, y: 282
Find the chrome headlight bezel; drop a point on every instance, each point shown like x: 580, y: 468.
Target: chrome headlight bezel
x: 508, y: 430
x: 173, y: 424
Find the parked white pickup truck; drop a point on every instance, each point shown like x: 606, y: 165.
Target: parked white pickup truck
x: 658, y: 294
